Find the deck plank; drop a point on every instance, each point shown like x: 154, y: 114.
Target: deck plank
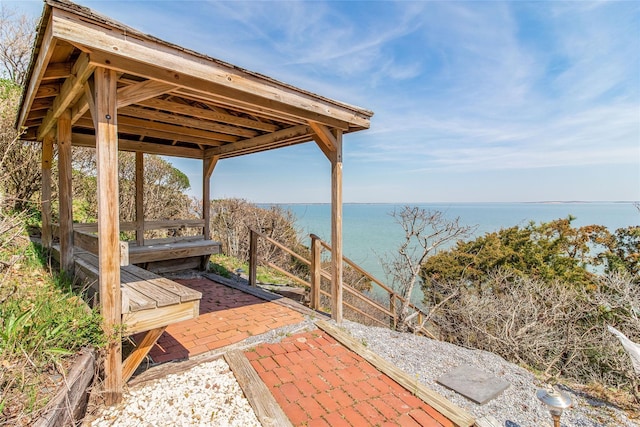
x: 185, y: 293
x: 151, y: 288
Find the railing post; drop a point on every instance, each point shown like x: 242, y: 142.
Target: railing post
x: 392, y: 308
x: 253, y: 257
x: 316, y: 277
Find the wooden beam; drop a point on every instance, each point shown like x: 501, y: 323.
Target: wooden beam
x: 159, y: 130
x: 284, y: 134
x: 336, y: 229
x: 453, y: 413
x: 326, y: 137
x: 83, y: 140
x: 140, y: 198
x: 60, y: 70
x: 109, y: 229
x: 47, y: 157
x: 202, y: 113
x: 132, y: 362
x: 142, y: 91
x: 39, y: 67
x: 267, y: 410
x: 196, y: 123
x: 65, y: 193
x: 71, y: 89
x: 47, y: 91
x: 86, y: 103
x: 208, y: 164
x: 322, y: 146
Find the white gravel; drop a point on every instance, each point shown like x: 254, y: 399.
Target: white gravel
x: 208, y: 394
x: 517, y: 406
x: 205, y: 395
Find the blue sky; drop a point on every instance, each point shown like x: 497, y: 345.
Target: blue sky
x: 473, y: 101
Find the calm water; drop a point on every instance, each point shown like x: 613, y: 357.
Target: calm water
x: 369, y: 232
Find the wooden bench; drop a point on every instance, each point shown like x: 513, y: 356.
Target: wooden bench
x: 149, y: 303
x: 164, y: 255
x: 157, y: 255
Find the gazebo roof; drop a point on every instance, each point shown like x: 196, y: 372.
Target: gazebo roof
x: 171, y: 101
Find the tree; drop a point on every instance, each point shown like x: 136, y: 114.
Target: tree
x: 623, y: 252
x: 548, y: 251
x: 16, y: 43
x: 232, y: 218
x: 19, y: 161
x: 163, y: 195
x: 424, y: 232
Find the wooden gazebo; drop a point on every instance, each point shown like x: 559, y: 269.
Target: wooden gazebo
x: 97, y: 83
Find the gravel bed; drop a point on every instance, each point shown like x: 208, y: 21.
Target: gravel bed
x: 517, y: 406
x: 205, y: 395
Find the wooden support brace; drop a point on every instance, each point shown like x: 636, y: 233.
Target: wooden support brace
x: 132, y: 362
x: 47, y: 158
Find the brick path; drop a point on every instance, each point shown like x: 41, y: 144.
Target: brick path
x: 226, y: 316
x: 319, y: 382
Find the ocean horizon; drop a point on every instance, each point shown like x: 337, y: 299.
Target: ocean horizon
x: 370, y: 233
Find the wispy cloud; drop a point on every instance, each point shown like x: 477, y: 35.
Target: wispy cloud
x: 456, y: 86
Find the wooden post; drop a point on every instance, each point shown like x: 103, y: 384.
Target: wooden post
x: 253, y: 257
x: 208, y: 164
x: 65, y: 192
x: 109, y: 228
x: 392, y: 309
x: 47, y: 158
x: 336, y: 229
x: 140, y: 198
x: 316, y: 265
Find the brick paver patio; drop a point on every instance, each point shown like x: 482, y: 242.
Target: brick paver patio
x: 316, y: 380
x: 227, y: 316
x: 319, y: 382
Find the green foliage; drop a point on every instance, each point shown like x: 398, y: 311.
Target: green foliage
x: 623, y: 254
x: 548, y: 251
x: 42, y: 322
x: 163, y: 188
x: 228, y: 266
x: 8, y: 89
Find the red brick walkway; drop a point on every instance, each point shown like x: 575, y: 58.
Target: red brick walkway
x: 227, y: 316
x: 319, y: 382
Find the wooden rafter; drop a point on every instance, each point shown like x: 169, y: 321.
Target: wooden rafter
x: 72, y: 88
x: 270, y: 138
x: 186, y: 110
x: 83, y: 140
x: 180, y: 120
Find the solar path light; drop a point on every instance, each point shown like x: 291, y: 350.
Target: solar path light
x: 556, y: 401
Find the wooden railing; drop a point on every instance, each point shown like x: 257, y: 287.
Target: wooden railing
x: 355, y: 302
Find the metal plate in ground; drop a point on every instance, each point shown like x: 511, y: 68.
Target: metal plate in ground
x: 474, y: 384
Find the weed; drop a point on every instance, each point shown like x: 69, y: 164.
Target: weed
x: 42, y: 323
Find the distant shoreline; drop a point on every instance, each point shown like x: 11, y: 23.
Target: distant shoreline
x: 544, y: 202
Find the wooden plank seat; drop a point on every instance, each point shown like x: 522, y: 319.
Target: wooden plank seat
x: 149, y: 303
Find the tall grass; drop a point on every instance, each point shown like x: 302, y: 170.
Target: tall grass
x: 43, y: 323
